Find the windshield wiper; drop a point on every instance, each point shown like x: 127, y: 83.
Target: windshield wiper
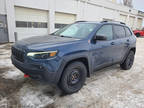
x: 65, y: 36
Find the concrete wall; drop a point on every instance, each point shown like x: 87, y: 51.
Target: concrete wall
x: 2, y: 7
x: 92, y: 10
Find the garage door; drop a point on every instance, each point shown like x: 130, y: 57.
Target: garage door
x: 131, y: 21
x: 139, y: 23
x: 123, y: 18
x: 30, y: 22
x: 62, y: 19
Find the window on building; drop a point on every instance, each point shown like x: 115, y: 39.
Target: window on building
x: 44, y: 25
x: 106, y: 31
x: 58, y: 26
x: 119, y: 31
x: 1, y: 24
x: 21, y: 24
x: 31, y: 24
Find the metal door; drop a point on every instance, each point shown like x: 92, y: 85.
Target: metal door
x: 3, y: 29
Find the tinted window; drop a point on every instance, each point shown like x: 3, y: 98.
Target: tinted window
x: 119, y: 32
x: 128, y: 32
x: 106, y: 31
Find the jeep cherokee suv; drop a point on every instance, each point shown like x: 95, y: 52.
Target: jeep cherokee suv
x: 69, y: 55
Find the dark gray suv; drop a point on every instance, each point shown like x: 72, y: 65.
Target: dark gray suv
x: 71, y: 54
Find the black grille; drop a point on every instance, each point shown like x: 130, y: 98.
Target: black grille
x: 19, y: 55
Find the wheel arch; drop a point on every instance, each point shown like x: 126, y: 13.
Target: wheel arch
x: 84, y: 60
x: 133, y: 49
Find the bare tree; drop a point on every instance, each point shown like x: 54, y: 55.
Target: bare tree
x: 128, y: 3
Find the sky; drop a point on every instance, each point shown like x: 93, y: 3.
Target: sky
x: 137, y: 4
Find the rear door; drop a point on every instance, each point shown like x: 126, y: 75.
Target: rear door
x: 119, y: 43
x: 128, y: 38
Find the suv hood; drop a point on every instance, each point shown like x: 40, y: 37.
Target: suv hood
x: 50, y: 40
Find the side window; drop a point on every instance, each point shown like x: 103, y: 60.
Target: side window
x: 119, y: 31
x: 106, y: 31
x: 128, y: 32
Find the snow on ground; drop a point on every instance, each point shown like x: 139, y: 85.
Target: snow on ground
x: 33, y: 97
x: 5, y: 62
x: 14, y: 75
x: 108, y: 88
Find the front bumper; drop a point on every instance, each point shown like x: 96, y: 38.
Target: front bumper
x: 48, y: 72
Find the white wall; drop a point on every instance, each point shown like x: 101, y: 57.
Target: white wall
x: 92, y: 10
x: 10, y: 19
x: 66, y: 6
x: 2, y: 7
x: 38, y: 4
x: 89, y: 10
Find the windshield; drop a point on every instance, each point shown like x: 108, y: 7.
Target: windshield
x: 77, y: 30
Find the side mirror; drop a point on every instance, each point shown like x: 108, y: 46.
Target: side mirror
x: 100, y: 37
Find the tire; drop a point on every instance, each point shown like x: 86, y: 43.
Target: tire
x: 73, y: 77
x: 137, y: 35
x: 127, y: 64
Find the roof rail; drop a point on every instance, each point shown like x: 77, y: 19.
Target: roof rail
x: 114, y: 22
x: 104, y: 21
x: 79, y: 21
x: 123, y: 23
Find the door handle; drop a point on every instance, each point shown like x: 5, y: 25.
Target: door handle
x: 112, y: 43
x: 127, y: 40
x: 127, y: 44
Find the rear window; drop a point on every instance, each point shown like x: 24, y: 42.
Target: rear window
x: 119, y: 31
x: 128, y: 32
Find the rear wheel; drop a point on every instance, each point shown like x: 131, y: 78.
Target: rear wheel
x: 127, y: 64
x: 73, y: 77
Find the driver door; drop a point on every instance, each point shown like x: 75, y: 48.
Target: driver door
x: 102, y: 50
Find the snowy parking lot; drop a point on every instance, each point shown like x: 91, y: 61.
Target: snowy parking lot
x: 108, y: 88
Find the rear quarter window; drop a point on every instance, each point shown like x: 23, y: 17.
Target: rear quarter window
x: 119, y: 31
x: 128, y: 32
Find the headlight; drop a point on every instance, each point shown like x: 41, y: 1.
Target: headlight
x: 42, y: 55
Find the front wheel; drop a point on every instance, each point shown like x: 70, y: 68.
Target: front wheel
x: 73, y: 77
x: 127, y: 64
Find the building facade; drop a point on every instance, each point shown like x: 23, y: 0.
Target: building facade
x: 24, y: 18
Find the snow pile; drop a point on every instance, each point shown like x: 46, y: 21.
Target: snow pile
x: 5, y: 62
x: 34, y: 97
x: 14, y: 75
x: 3, y: 102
